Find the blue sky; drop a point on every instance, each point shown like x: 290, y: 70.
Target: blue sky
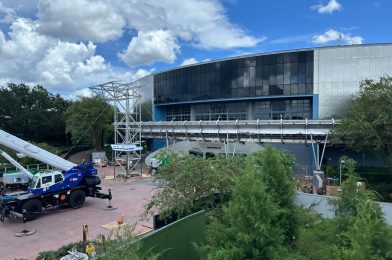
x: 69, y: 45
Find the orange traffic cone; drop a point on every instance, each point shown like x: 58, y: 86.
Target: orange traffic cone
x: 120, y: 219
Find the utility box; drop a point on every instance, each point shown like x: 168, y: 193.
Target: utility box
x: 100, y: 159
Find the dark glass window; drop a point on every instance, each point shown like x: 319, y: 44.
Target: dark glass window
x: 291, y: 109
x: 273, y: 59
x: 252, y: 76
x: 294, y: 73
x: 270, y: 74
x: 265, y: 60
x: 275, y: 90
x: 225, y: 111
x: 266, y: 75
x: 259, y: 79
x: 250, y: 62
x: 279, y: 74
x: 280, y: 58
x: 178, y: 113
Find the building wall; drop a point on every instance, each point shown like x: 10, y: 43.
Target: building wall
x: 339, y: 70
x: 269, y: 86
x: 327, y: 76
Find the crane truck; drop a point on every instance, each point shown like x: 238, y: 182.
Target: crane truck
x: 69, y: 185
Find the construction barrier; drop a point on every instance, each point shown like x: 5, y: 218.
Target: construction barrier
x: 177, y: 239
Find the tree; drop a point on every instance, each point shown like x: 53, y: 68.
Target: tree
x: 249, y: 226
x: 358, y: 231
x: 274, y: 167
x: 260, y: 220
x: 367, y: 125
x: 189, y: 183
x: 87, y: 118
x: 33, y: 113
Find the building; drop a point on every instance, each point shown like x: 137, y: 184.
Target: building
x: 297, y: 84
x: 312, y: 83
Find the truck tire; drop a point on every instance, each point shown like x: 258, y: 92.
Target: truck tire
x: 77, y: 198
x: 33, y: 209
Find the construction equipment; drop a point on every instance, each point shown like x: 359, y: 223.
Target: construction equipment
x: 69, y: 185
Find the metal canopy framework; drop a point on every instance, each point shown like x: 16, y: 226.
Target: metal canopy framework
x: 314, y: 132
x: 283, y: 131
x: 125, y: 98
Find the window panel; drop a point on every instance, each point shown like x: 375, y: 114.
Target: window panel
x: 272, y: 75
x: 252, y: 76
x: 238, y: 78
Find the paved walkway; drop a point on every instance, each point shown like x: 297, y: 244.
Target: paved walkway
x: 56, y: 229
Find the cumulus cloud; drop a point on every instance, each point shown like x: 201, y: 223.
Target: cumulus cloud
x: 56, y: 46
x: 332, y: 6
x: 7, y: 14
x: 179, y: 19
x: 208, y: 27
x: 333, y: 35
x: 189, y: 61
x: 31, y: 57
x: 80, y: 20
x: 149, y: 47
x: 196, y: 21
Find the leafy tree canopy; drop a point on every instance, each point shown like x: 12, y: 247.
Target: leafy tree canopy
x: 86, y: 119
x: 260, y: 220
x: 32, y: 113
x: 358, y: 231
x: 191, y: 183
x: 367, y: 126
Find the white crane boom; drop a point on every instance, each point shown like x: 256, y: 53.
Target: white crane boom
x: 16, y: 164
x: 34, y: 151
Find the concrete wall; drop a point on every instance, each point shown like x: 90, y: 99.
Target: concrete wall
x: 320, y: 204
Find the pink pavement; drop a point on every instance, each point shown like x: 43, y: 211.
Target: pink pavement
x: 59, y: 228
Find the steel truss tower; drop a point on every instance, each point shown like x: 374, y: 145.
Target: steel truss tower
x: 126, y: 101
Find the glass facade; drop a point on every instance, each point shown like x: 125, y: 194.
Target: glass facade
x: 300, y: 108
x: 285, y: 109
x: 289, y: 73
x: 221, y: 111
x: 178, y: 113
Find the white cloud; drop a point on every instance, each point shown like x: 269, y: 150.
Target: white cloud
x: 189, y: 61
x: 332, y: 6
x: 207, y: 28
x: 84, y: 92
x: 146, y: 48
x: 332, y: 35
x: 80, y: 20
x: 33, y: 58
x: 56, y: 46
x: 198, y: 22
x: 7, y: 14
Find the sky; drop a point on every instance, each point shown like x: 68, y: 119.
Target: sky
x: 70, y: 45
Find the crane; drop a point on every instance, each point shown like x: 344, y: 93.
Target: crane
x: 68, y: 184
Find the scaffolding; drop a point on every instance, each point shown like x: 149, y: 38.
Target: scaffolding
x: 126, y: 101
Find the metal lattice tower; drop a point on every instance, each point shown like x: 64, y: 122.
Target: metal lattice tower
x: 125, y: 98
